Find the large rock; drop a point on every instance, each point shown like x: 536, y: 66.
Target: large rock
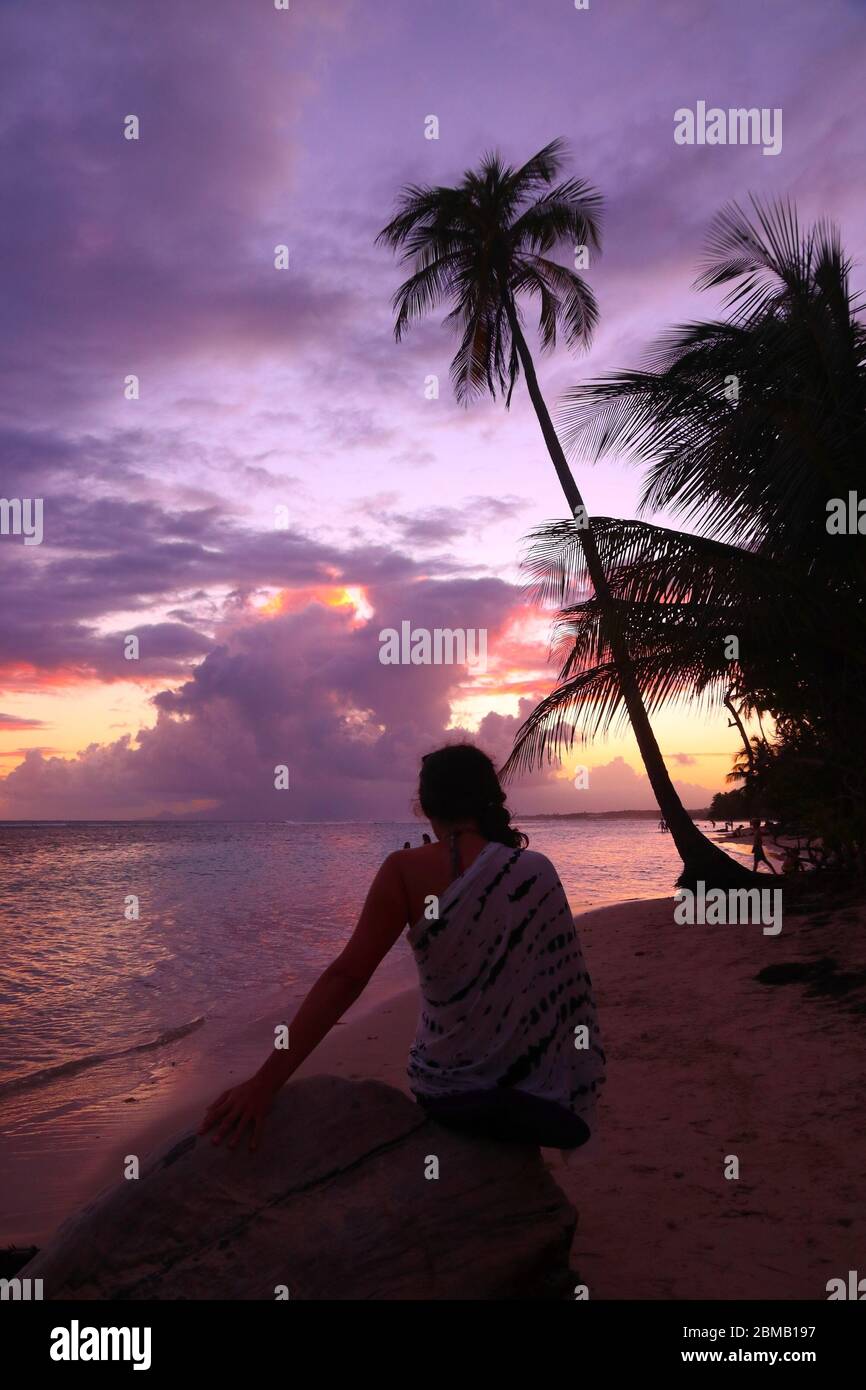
x: 334, y: 1205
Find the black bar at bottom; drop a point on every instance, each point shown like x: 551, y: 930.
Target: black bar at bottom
x: 228, y: 1338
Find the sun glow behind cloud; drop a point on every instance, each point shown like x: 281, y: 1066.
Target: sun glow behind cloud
x: 270, y: 603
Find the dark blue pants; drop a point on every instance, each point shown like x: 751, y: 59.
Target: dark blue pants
x: 508, y: 1114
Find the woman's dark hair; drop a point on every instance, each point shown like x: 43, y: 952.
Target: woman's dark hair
x: 459, y: 782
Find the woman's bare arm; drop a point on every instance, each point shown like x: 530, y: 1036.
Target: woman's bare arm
x: 382, y: 919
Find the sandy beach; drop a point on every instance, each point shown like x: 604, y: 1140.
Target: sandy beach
x: 704, y: 1062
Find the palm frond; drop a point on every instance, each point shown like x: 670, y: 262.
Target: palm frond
x: 483, y: 244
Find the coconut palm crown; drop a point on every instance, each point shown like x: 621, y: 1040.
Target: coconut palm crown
x: 484, y: 245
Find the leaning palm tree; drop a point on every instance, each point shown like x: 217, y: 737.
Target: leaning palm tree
x: 749, y: 426
x: 483, y: 246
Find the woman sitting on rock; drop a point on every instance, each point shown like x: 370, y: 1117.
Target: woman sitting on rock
x: 508, y: 1044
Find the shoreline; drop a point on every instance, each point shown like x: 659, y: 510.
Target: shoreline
x: 705, y: 1061
x: 95, y: 1136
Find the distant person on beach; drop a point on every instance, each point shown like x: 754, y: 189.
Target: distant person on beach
x: 426, y: 838
x: 508, y: 1045
x: 406, y: 844
x: 758, y: 851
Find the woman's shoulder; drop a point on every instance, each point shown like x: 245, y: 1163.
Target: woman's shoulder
x: 537, y: 862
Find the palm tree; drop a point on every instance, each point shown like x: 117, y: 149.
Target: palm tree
x: 482, y: 246
x: 680, y: 598
x: 757, y: 466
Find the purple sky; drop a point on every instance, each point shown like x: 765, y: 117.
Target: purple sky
x: 263, y: 388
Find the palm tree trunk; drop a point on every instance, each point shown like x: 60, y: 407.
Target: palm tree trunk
x: 761, y: 727
x: 737, y: 722
x: 701, y: 858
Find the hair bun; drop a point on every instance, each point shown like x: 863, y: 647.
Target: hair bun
x: 459, y: 782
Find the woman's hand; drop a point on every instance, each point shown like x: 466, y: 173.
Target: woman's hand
x: 238, y: 1109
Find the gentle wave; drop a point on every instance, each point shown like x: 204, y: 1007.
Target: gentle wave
x: 92, y: 1059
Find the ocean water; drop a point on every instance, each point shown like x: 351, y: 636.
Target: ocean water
x: 109, y: 1026
x: 229, y: 915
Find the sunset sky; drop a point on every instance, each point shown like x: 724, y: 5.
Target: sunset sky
x: 263, y: 389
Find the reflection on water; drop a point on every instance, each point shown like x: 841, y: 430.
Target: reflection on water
x: 229, y: 913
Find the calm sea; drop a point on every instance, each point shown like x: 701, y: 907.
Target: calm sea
x: 228, y: 914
